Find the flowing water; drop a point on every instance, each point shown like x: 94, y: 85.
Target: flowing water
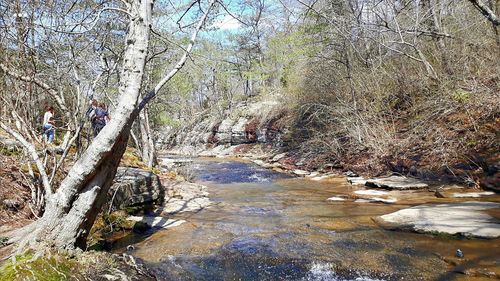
x: 265, y: 225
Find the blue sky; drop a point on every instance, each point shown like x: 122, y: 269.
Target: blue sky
x: 222, y: 23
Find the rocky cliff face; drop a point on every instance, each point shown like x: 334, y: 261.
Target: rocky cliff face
x: 248, y: 123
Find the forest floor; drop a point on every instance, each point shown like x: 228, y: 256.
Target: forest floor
x: 98, y: 262
x: 14, y: 195
x: 15, y: 212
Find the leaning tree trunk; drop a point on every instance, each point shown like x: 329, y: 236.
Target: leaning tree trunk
x: 72, y: 209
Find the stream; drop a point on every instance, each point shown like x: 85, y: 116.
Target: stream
x: 265, y: 225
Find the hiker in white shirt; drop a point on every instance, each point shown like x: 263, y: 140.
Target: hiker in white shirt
x: 48, y: 124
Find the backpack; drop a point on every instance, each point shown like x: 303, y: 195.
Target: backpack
x: 90, y: 114
x: 100, y: 115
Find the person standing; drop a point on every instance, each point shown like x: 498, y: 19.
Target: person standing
x: 48, y: 124
x: 101, y: 118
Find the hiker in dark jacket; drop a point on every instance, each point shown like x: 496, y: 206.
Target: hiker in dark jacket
x: 101, y: 118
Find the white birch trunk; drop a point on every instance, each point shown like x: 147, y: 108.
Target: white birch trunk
x: 72, y: 209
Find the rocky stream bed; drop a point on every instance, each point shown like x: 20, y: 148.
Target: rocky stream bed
x: 244, y: 221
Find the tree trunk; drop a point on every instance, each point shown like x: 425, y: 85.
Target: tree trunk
x: 148, y: 152
x: 437, y: 26
x: 72, y: 209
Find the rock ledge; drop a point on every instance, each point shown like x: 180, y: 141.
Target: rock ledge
x: 464, y: 218
x: 396, y: 182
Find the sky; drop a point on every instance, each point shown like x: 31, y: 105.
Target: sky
x: 223, y: 23
x: 227, y: 23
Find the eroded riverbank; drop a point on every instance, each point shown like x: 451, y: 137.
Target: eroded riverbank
x: 264, y: 225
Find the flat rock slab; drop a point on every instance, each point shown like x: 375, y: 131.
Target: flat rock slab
x: 396, y: 182
x: 376, y: 200
x: 472, y: 194
x: 175, y: 205
x: 184, y: 197
x: 156, y: 222
x: 464, y: 218
x: 371, y: 192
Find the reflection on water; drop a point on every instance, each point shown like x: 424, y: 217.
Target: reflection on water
x: 226, y: 172
x: 269, y: 226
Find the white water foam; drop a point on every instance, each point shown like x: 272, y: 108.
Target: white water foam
x: 325, y: 272
x: 320, y: 272
x: 172, y: 259
x: 258, y: 178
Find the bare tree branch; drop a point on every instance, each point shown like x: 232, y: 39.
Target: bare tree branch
x: 181, y: 62
x: 34, y: 155
x: 53, y: 93
x: 486, y: 11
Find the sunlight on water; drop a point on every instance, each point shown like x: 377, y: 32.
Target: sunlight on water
x: 325, y: 272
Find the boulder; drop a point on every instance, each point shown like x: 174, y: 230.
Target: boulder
x: 135, y: 187
x: 465, y: 218
x: 396, y: 182
x: 9, y: 144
